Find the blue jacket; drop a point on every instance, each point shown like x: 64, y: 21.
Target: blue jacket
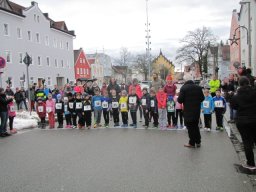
x: 96, y: 102
x: 207, y: 105
x: 108, y: 100
x: 219, y: 103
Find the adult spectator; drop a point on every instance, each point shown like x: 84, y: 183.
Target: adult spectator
x: 250, y: 77
x: 170, y: 88
x: 95, y: 87
x: 191, y: 96
x: 24, y: 97
x: 89, y: 89
x: 40, y: 93
x: 113, y: 85
x: 3, y: 113
x: 55, y: 90
x: 8, y: 91
x: 245, y: 104
x: 18, y: 96
x: 157, y: 83
x: 32, y: 97
x: 214, y: 85
x: 103, y: 88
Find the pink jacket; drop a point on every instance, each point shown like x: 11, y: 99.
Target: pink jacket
x: 177, y: 104
x: 50, y: 106
x: 11, y: 111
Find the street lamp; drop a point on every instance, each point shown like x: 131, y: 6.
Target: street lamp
x: 249, y: 30
x: 28, y: 60
x: 148, y: 43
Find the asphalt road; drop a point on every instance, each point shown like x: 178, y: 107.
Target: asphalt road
x: 118, y: 160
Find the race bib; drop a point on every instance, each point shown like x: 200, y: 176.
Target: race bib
x: 12, y: 109
x: 171, y: 108
x: 97, y: 103
x: 71, y: 105
x: 79, y: 105
x: 218, y: 104
x: 104, y: 105
x: 152, y: 103
x: 144, y: 102
x: 58, y: 106
x: 123, y: 105
x: 65, y: 108
x: 206, y: 104
x: 115, y: 105
x: 48, y: 109
x: 132, y: 100
x: 40, y: 109
x: 87, y: 108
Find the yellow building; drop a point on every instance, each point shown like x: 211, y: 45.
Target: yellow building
x: 163, y: 66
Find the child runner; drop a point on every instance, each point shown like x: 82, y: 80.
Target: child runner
x: 154, y: 107
x: 145, y: 103
x: 123, y: 103
x: 11, y: 114
x: 162, y: 100
x: 78, y: 108
x: 106, y: 107
x: 207, y: 108
x: 179, y: 111
x: 96, y: 104
x: 134, y: 103
x: 50, y: 109
x: 219, y: 109
x: 171, y: 112
x: 115, y: 107
x: 67, y: 113
x: 59, y: 110
x: 87, y: 108
x: 71, y: 101
x: 41, y: 111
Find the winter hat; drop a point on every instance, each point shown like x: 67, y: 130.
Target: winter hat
x: 169, y: 78
x: 144, y: 89
x: 59, y: 96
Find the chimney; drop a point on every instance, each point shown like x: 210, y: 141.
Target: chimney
x: 33, y: 3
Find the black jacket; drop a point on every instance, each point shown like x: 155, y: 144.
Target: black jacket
x: 191, y: 96
x: 60, y: 103
x: 4, y: 102
x: 114, y: 86
x: 18, y: 96
x: 245, y: 104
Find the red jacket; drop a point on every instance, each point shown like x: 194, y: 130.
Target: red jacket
x: 41, y: 109
x: 138, y: 90
x: 161, y: 99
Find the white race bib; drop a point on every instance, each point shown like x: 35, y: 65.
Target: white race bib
x: 115, y: 105
x: 48, y: 109
x: 144, y: 102
x: 206, y: 104
x: 65, y: 108
x: 58, y: 106
x: 132, y: 100
x: 79, y: 105
x: 40, y: 109
x: 152, y: 103
x: 219, y: 104
x: 97, y: 103
x: 87, y: 108
x: 123, y: 105
x: 12, y: 109
x: 71, y: 105
x: 171, y: 108
x: 104, y: 105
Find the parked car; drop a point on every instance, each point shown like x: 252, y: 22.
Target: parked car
x: 145, y: 84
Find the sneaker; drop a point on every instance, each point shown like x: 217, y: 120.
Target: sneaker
x: 106, y: 126
x: 88, y: 127
x: 131, y: 125
x: 66, y: 126
x: 252, y: 168
x: 13, y: 131
x: 95, y: 126
x: 135, y: 126
x: 208, y: 129
x: 146, y: 127
x: 155, y: 127
x: 198, y: 145
x: 123, y: 125
x: 221, y: 129
x: 74, y: 127
x: 217, y: 128
x: 189, y: 146
x: 205, y: 128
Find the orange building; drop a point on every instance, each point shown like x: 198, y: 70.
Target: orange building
x: 82, y: 66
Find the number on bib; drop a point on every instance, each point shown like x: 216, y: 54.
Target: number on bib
x: 115, y: 105
x: 219, y: 104
x: 65, y: 108
x: 123, y: 105
x: 79, y: 105
x: 152, y: 103
x: 132, y: 100
x: 40, y: 109
x: 144, y: 102
x: 87, y: 108
x: 97, y: 103
x: 71, y: 105
x: 104, y: 105
x: 58, y: 105
x: 48, y: 109
x: 12, y: 109
x: 206, y: 104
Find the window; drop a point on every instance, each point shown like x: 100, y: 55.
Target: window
x: 49, y: 81
x: 47, y: 40
x: 81, y: 71
x: 84, y: 60
x: 81, y: 60
x: 39, y: 60
x: 54, y: 43
x: 85, y: 71
x: 6, y: 29
x: 77, y: 71
x: 62, y: 63
x: 38, y: 19
x: 29, y: 36
x: 8, y: 57
x: 19, y: 33
x: 61, y: 44
x: 38, y: 38
x: 20, y: 58
x: 35, y: 17
x: 31, y: 80
x: 56, y: 63
x: 48, y: 61
x: 67, y: 46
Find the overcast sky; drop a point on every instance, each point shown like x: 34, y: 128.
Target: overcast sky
x: 112, y: 24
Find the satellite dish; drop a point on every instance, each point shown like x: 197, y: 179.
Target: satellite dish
x: 236, y: 65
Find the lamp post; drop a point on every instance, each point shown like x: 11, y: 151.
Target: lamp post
x: 148, y: 43
x: 28, y: 60
x: 249, y: 30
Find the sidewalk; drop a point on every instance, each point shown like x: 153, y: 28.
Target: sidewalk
x: 236, y: 139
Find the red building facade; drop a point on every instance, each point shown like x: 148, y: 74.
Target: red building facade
x: 82, y: 66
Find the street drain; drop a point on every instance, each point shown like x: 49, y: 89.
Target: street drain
x: 241, y: 169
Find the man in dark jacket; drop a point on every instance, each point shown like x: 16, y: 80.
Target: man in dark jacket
x: 191, y: 96
x: 8, y: 91
x: 245, y: 104
x: 3, y: 113
x: 113, y: 85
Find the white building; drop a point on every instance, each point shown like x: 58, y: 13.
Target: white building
x: 246, y: 7
x: 50, y: 43
x: 97, y: 69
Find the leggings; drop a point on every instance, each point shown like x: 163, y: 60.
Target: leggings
x: 11, y: 122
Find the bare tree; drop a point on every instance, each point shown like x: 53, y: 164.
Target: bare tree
x: 142, y: 65
x: 125, y: 57
x: 195, y: 47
